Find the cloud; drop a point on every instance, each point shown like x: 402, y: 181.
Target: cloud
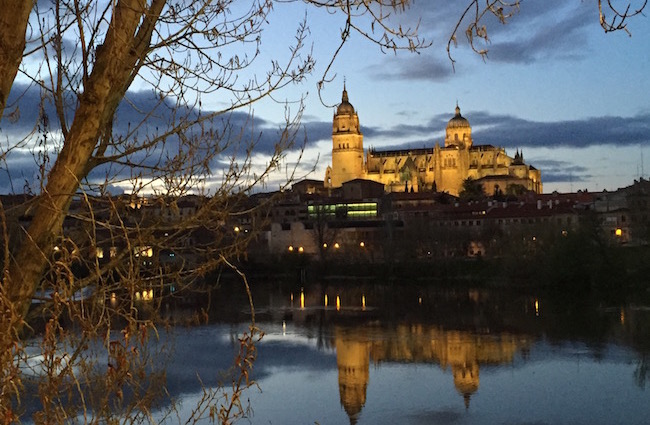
x: 422, y: 67
x: 142, y: 115
x: 608, y: 130
x: 536, y: 31
x: 544, y: 37
x: 557, y: 171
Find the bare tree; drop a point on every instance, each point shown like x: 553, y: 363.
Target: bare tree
x: 72, y: 238
x: 87, y: 58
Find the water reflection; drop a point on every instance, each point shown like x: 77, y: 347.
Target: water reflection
x: 422, y: 355
x: 463, y: 353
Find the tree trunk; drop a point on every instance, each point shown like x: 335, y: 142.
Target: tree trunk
x: 14, y: 15
x: 115, y: 63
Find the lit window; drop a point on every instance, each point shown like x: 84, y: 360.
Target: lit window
x: 143, y: 251
x: 99, y: 252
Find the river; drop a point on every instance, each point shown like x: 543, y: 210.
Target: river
x: 369, y: 353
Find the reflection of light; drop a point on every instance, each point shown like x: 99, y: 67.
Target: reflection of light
x: 622, y: 317
x: 326, y: 300
x: 284, y: 327
x: 292, y: 300
x: 336, y: 245
x: 363, y: 302
x: 302, y: 299
x: 145, y: 295
x: 338, y: 302
x: 536, y: 308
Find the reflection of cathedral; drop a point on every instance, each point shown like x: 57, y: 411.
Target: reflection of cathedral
x: 441, y: 169
x: 353, y: 361
x: 462, y: 352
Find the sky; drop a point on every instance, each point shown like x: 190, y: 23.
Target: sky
x: 553, y: 85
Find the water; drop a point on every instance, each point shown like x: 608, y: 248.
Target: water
x: 380, y: 354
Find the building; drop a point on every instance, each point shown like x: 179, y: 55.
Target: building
x: 439, y: 169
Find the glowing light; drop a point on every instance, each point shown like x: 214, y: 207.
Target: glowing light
x: 237, y: 229
x: 326, y: 300
x: 622, y: 317
x: 99, y: 252
x: 284, y: 327
x: 336, y: 245
x: 420, y: 300
x: 362, y: 244
x: 290, y: 248
x: 302, y: 300
x: 338, y: 303
x: 619, y: 232
x: 324, y: 245
x: 536, y: 308
x: 301, y: 249
x: 143, y: 251
x: 363, y: 302
x: 137, y: 296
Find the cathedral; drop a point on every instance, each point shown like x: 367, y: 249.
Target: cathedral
x: 440, y: 168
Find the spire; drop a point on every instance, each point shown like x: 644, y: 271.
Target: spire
x: 344, y: 98
x: 457, y: 109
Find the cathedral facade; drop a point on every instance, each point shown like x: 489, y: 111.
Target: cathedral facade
x: 439, y: 168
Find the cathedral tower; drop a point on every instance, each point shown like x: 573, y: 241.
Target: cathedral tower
x: 347, y: 148
x: 458, y: 132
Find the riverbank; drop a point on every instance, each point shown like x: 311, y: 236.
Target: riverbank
x: 572, y: 269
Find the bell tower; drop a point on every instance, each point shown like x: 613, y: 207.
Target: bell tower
x: 347, y: 145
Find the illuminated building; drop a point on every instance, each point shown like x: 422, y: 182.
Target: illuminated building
x: 440, y: 168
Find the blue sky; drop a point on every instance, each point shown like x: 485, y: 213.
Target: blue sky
x: 554, y: 85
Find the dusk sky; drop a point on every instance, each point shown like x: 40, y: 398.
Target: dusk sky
x: 554, y: 85
x: 573, y: 99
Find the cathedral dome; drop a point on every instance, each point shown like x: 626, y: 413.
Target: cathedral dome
x: 458, y: 121
x: 345, y: 107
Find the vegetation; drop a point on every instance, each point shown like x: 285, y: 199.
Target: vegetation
x: 87, y: 59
